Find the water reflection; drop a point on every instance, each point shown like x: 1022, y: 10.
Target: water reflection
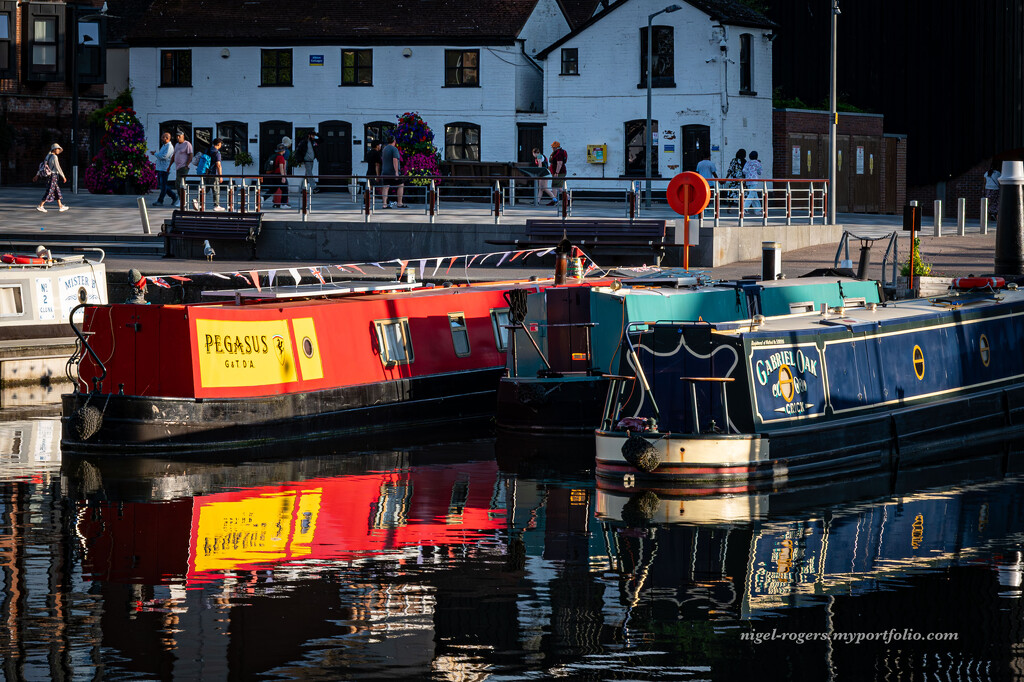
x: 433, y: 562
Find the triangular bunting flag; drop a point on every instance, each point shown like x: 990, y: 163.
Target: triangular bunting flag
x: 294, y: 272
x: 437, y: 267
x: 454, y: 258
x: 544, y: 252
x: 503, y: 258
x: 217, y: 274
x: 271, y: 274
x: 255, y: 279
x: 470, y: 263
x: 517, y: 255
x: 316, y: 273
x: 179, y: 278
x: 423, y: 264
x: 241, y: 276
x: 357, y: 269
x: 401, y: 272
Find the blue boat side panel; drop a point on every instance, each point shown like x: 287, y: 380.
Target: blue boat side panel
x: 788, y: 380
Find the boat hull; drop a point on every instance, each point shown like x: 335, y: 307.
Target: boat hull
x: 543, y: 406
x: 883, y: 441
x: 143, y: 425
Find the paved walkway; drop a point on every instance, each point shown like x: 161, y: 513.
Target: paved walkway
x: 97, y: 216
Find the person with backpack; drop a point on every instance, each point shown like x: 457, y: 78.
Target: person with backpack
x: 306, y: 152
x: 50, y: 171
x: 208, y: 164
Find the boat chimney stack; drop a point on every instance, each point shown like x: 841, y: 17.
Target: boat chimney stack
x: 562, y: 261
x: 1009, y: 258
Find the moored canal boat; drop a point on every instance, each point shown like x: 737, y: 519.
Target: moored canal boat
x: 37, y: 296
x: 566, y: 346
x: 292, y: 363
x: 868, y: 388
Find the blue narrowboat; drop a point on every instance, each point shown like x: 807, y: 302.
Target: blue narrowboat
x: 842, y: 389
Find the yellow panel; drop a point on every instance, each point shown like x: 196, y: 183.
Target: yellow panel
x: 254, y: 530
x: 244, y: 353
x: 305, y: 522
x: 312, y: 367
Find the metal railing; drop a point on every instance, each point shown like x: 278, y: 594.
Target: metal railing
x: 764, y: 201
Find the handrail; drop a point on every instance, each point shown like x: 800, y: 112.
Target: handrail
x: 85, y: 344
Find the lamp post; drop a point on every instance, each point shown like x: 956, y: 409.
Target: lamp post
x: 833, y: 122
x: 649, y: 147
x: 75, y: 44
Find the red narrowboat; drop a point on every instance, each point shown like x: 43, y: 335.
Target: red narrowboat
x: 286, y: 363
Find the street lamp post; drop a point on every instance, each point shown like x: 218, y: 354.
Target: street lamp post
x: 833, y: 122
x: 649, y: 147
x: 75, y: 45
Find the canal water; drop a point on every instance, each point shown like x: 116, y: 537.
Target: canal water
x: 473, y: 561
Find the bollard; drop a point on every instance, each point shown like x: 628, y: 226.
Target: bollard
x: 304, y: 206
x: 1009, y: 259
x: 983, y: 215
x: 432, y: 201
x: 496, y: 202
x: 961, y: 216
x: 512, y: 192
x: 771, y: 260
x: 937, y: 219
x: 145, y: 216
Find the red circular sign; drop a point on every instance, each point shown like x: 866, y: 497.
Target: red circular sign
x: 700, y: 193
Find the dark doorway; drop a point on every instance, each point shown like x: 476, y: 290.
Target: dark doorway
x: 335, y: 153
x: 531, y: 135
x: 696, y: 141
x: 271, y: 133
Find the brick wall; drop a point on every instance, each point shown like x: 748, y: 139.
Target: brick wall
x: 969, y: 185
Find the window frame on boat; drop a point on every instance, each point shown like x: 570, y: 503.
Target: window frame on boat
x: 460, y: 318
x: 387, y: 357
x: 499, y: 329
x: 18, y: 300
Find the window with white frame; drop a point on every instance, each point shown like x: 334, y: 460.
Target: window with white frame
x: 460, y: 333
x: 394, y: 342
x: 11, y: 304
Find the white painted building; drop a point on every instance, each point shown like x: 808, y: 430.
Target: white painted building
x: 492, y: 78
x: 712, y: 87
x: 470, y: 78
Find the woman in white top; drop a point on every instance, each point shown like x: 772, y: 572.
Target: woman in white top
x: 992, y: 191
x: 162, y: 161
x: 56, y: 175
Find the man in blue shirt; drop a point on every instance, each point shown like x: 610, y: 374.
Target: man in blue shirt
x: 213, y: 173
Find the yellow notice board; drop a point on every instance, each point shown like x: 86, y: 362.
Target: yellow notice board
x: 255, y: 530
x: 244, y: 353
x: 597, y: 153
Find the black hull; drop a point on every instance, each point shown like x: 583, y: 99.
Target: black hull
x: 139, y: 425
x: 883, y: 442
x: 530, y: 406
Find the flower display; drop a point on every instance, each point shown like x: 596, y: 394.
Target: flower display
x: 420, y: 159
x: 121, y: 165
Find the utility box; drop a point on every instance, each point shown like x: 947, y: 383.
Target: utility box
x: 597, y: 153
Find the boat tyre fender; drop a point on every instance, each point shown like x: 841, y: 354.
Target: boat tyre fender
x: 86, y: 421
x: 639, y: 510
x: 639, y: 453
x: 978, y: 282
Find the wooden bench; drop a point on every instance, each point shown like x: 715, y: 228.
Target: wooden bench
x: 213, y: 226
x: 642, y: 237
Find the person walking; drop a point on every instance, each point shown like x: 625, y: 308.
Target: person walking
x: 214, y: 173
x: 391, y: 174
x: 735, y: 170
x: 51, y: 171
x: 992, y: 176
x: 559, y: 157
x: 163, y: 158
x: 182, y: 159
x: 306, y: 152
x: 752, y: 170
x: 280, y: 173
x: 541, y: 162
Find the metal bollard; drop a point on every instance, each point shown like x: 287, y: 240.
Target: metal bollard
x: 144, y: 215
x: 983, y: 215
x: 231, y: 195
x: 512, y: 192
x: 961, y: 216
x: 1009, y: 258
x: 771, y: 260
x: 202, y: 194
x: 432, y: 201
x: 304, y: 206
x: 937, y: 219
x: 496, y: 202
x: 742, y: 200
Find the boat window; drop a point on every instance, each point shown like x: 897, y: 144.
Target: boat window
x: 801, y: 307
x: 394, y: 341
x: 10, y: 301
x: 460, y: 334
x: 499, y: 322
x: 858, y: 302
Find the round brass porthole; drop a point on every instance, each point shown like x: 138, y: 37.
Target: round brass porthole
x: 919, y: 362
x: 787, y: 386
x: 985, y: 350
x: 307, y: 347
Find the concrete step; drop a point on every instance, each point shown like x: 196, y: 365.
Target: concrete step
x: 129, y: 245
